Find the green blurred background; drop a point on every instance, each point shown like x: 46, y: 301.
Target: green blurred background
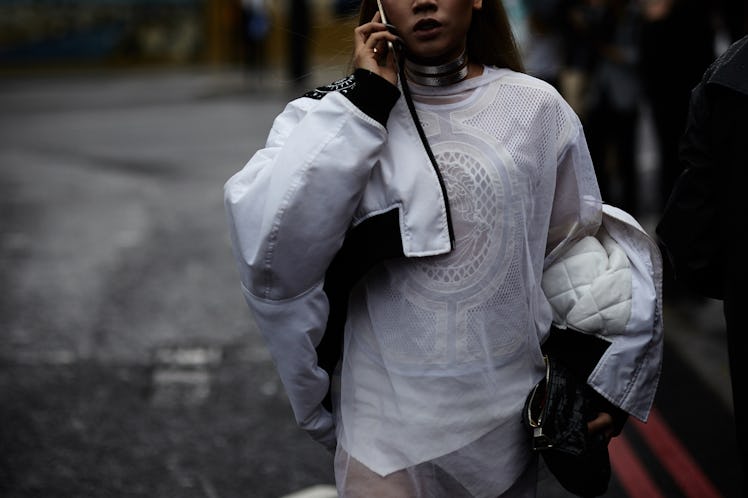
x: 43, y: 34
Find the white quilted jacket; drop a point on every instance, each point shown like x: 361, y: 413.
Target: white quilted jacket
x: 609, y: 285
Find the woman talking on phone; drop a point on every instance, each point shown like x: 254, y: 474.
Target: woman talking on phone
x: 392, y: 236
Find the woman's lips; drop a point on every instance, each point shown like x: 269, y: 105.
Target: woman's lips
x: 427, y: 28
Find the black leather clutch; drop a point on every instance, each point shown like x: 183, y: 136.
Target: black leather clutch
x: 556, y: 414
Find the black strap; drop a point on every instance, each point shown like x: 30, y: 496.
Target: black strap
x: 422, y: 134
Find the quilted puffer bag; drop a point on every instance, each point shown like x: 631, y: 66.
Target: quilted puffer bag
x: 556, y: 413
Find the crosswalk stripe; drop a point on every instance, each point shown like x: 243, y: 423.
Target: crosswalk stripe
x: 675, y: 458
x: 632, y: 475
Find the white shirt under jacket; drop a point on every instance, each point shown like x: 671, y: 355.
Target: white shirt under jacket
x: 441, y: 347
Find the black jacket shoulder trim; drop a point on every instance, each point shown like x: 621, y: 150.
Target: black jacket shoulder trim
x: 343, y: 85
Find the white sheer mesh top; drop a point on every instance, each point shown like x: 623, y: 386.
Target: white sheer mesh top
x: 441, y: 351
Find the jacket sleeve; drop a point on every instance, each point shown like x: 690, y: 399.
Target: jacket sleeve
x: 288, y: 210
x: 628, y: 373
x: 609, y: 287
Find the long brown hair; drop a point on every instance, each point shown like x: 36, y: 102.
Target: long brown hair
x: 490, y: 40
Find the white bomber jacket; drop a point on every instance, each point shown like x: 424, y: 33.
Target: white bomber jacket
x: 322, y: 197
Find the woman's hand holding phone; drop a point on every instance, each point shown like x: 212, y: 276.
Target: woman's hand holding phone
x: 371, y: 49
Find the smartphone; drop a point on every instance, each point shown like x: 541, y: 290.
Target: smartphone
x: 390, y: 27
x: 381, y: 11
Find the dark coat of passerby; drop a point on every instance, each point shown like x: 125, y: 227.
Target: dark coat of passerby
x: 677, y: 45
x: 704, y: 225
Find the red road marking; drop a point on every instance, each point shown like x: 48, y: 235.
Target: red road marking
x: 675, y: 458
x: 630, y: 472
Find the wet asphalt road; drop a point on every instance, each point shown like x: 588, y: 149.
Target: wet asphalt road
x: 129, y: 365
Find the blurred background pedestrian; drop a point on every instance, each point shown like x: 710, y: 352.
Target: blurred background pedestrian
x: 543, y: 49
x: 677, y: 45
x: 576, y: 20
x: 256, y: 24
x: 613, y: 98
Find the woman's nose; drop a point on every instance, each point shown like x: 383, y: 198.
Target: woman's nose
x: 424, y: 6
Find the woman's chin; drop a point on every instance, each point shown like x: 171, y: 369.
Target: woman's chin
x: 432, y: 57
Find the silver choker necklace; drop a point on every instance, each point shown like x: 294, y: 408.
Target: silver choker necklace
x: 445, y: 74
